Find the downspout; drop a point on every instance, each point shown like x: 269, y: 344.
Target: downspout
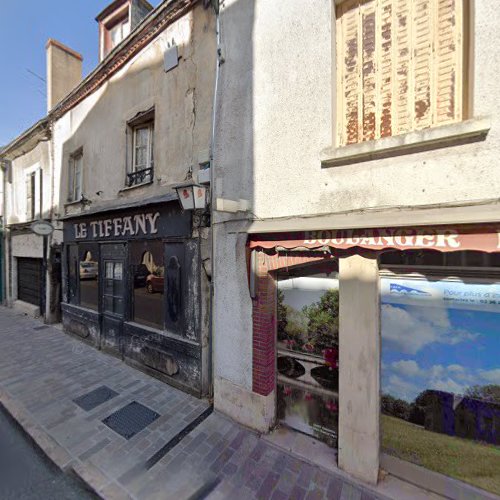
x: 219, y: 61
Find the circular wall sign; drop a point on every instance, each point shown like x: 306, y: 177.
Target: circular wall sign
x: 42, y: 227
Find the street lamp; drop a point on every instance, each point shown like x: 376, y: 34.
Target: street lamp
x: 192, y: 196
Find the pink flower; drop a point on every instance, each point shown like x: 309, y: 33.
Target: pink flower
x: 308, y: 396
x: 287, y: 391
x: 331, y: 406
x: 309, y: 347
x: 331, y: 356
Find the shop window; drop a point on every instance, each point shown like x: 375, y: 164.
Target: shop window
x: 307, y: 352
x: 401, y: 66
x: 147, y: 274
x: 89, y: 276
x: 141, y: 147
x: 441, y: 371
x: 175, y: 289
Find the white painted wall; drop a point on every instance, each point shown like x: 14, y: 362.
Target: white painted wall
x: 182, y: 99
x: 276, y: 114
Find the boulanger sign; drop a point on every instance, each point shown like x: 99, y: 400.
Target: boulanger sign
x: 442, y: 238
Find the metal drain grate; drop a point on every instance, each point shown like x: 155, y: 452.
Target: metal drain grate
x: 131, y: 419
x: 40, y: 327
x: 95, y: 398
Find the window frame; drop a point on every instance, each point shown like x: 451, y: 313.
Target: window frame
x: 339, y: 140
x: 137, y: 175
x: 72, y: 184
x: 30, y: 183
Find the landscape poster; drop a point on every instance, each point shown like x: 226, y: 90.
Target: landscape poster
x: 441, y: 376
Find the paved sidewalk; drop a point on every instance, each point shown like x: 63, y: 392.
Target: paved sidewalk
x: 183, y: 454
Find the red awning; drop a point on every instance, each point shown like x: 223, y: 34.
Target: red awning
x: 441, y: 238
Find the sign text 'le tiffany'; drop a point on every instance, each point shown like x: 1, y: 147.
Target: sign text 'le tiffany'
x: 130, y: 225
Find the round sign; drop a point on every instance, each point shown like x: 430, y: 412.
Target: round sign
x: 42, y: 227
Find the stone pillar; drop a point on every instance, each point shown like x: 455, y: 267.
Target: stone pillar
x: 359, y: 367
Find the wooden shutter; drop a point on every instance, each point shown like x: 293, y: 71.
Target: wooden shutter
x: 400, y: 66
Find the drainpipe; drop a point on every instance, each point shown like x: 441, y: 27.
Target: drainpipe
x: 219, y: 62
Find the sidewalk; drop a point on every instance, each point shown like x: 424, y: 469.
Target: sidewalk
x: 186, y: 452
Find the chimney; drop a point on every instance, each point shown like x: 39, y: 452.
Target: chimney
x: 64, y: 71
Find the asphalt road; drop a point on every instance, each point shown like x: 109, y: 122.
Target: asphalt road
x: 25, y: 472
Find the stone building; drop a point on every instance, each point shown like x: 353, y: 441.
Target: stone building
x: 367, y: 137
x: 134, y: 267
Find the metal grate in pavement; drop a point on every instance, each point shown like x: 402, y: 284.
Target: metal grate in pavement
x: 95, y: 398
x: 131, y: 419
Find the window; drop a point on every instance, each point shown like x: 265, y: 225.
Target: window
x: 142, y: 146
x: 400, y: 67
x: 31, y: 196
x: 75, y: 176
x: 118, y: 32
x: 89, y: 275
x: 147, y: 273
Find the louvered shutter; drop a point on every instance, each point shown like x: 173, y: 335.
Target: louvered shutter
x: 399, y: 66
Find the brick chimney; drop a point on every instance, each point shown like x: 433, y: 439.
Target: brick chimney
x: 64, y: 71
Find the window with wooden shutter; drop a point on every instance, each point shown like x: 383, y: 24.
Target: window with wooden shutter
x: 400, y: 67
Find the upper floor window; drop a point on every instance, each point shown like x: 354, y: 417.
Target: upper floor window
x: 401, y: 66
x: 75, y: 176
x: 142, y: 134
x: 31, y: 197
x: 117, y: 33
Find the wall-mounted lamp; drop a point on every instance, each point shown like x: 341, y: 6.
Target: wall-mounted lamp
x: 192, y: 196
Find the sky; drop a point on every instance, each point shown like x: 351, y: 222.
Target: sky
x: 25, y: 28
x: 431, y: 342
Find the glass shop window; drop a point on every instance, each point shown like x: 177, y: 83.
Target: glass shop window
x: 89, y: 276
x: 72, y: 281
x: 440, y: 375
x: 147, y: 272
x: 307, y: 350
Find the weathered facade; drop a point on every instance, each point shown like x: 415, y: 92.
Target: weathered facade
x: 323, y: 147
x: 134, y: 280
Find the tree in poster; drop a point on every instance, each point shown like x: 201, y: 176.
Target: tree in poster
x: 323, y: 326
x: 490, y: 393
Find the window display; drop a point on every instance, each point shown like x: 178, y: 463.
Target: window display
x: 441, y: 375
x: 89, y: 276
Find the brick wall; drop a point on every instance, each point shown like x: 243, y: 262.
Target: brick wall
x: 264, y: 314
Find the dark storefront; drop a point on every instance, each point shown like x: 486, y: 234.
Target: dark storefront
x: 135, y: 288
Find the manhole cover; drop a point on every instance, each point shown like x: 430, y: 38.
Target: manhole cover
x: 131, y: 419
x: 40, y: 327
x: 95, y: 398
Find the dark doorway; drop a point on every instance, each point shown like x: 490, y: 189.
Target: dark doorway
x: 29, y: 280
x: 113, y: 266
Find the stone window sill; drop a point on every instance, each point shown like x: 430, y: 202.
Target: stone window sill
x: 135, y: 186
x: 467, y: 131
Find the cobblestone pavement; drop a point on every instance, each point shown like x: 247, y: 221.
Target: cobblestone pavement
x: 182, y: 454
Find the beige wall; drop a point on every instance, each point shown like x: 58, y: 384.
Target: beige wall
x: 182, y: 99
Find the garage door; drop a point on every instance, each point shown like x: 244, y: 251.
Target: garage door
x: 29, y: 280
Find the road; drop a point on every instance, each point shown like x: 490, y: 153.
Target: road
x: 25, y: 473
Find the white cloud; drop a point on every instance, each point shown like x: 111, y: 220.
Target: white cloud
x: 408, y: 368
x: 401, y: 388
x: 492, y: 376
x: 412, y: 328
x: 447, y: 385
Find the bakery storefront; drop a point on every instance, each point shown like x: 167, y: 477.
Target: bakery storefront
x: 135, y: 288
x: 387, y: 347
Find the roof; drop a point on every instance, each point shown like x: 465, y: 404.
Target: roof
x: 150, y: 28
x: 38, y: 132
x: 115, y: 205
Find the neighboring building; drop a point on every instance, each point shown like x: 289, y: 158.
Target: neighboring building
x: 126, y: 269
x: 362, y: 127
x: 135, y: 281
x: 463, y: 417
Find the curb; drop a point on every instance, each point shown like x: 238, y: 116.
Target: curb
x: 92, y: 477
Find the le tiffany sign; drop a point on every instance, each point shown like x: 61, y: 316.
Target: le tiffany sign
x: 441, y: 238
x: 139, y: 224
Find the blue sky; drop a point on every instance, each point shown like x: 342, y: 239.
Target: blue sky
x: 428, y: 343
x: 24, y: 30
